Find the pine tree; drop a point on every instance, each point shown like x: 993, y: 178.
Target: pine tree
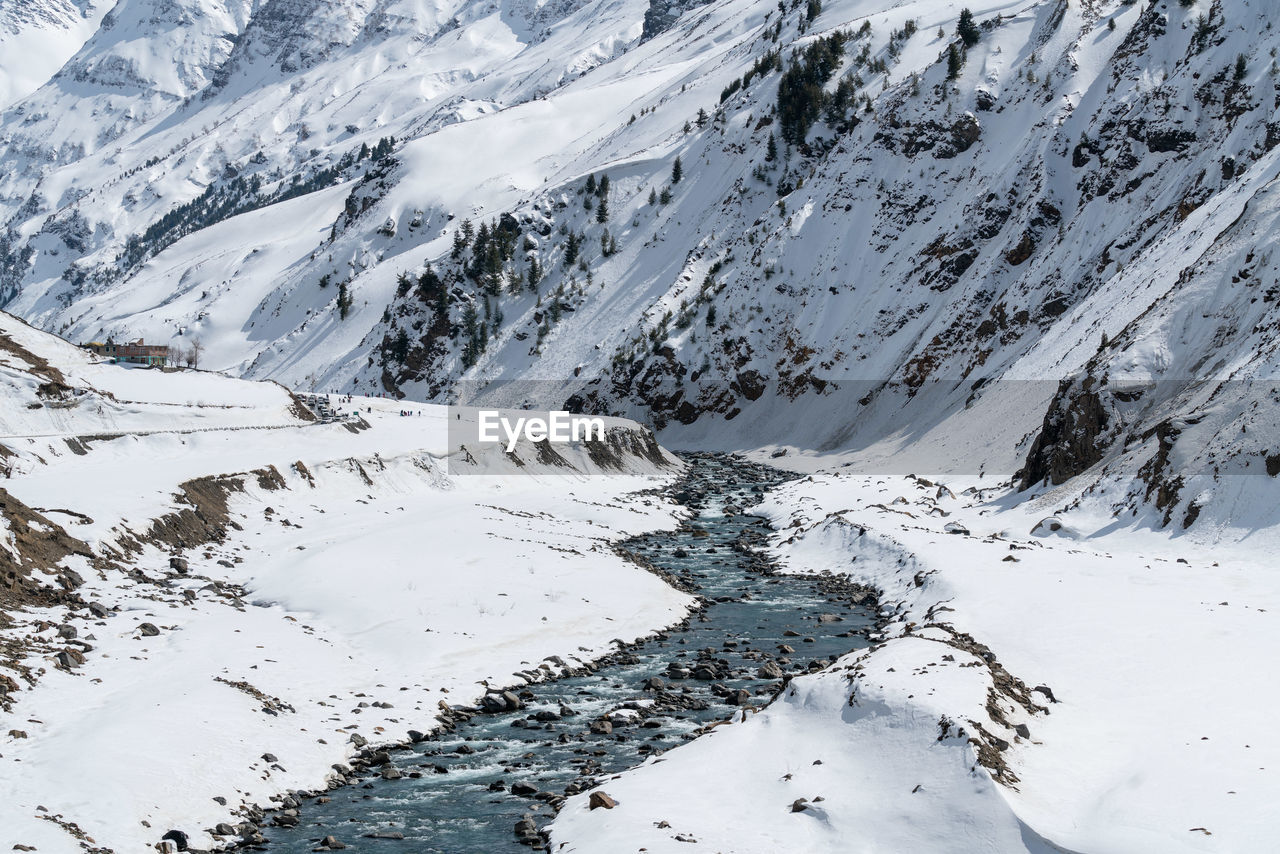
x: 344, y: 300
x: 602, y: 210
x: 429, y: 285
x: 602, y: 189
x: 702, y: 117
x: 1242, y: 67
x: 954, y: 62
x: 470, y: 328
x: 571, y: 249
x: 677, y: 171
x: 535, y: 272
x: 400, y: 348
x: 771, y: 152
x: 665, y: 198
x: 590, y: 187
x: 653, y: 196
x: 839, y: 102
x: 967, y: 30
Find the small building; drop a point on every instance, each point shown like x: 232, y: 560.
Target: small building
x: 133, y: 352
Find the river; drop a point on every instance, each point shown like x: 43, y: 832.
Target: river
x: 467, y: 789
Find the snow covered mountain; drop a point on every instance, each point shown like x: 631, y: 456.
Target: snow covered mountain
x: 1027, y: 251
x: 390, y: 196
x: 37, y: 37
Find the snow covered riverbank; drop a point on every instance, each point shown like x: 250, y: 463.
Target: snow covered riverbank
x: 340, y: 582
x: 1092, y: 688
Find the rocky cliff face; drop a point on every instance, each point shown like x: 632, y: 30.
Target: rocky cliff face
x: 661, y: 14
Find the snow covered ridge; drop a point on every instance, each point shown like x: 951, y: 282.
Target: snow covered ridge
x: 210, y: 597
x: 37, y: 37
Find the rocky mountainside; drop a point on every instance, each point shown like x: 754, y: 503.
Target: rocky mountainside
x: 1038, y: 242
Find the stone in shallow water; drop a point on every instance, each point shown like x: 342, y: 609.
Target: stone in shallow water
x: 770, y: 670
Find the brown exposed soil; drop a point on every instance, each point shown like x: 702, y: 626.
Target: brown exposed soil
x: 41, y: 544
x: 34, y: 578
x: 40, y: 366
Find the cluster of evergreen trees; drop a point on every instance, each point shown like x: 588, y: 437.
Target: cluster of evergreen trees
x: 968, y: 33
x: 800, y: 91
x: 492, y: 247
x: 594, y: 189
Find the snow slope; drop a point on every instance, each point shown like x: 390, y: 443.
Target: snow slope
x: 328, y: 575
x: 1152, y: 738
x: 37, y: 37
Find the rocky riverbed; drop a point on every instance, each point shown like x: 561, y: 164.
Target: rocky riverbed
x: 498, y: 770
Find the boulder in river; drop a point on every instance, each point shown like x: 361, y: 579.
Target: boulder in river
x: 770, y: 670
x: 527, y: 832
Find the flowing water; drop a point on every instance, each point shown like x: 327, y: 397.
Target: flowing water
x: 456, y: 795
